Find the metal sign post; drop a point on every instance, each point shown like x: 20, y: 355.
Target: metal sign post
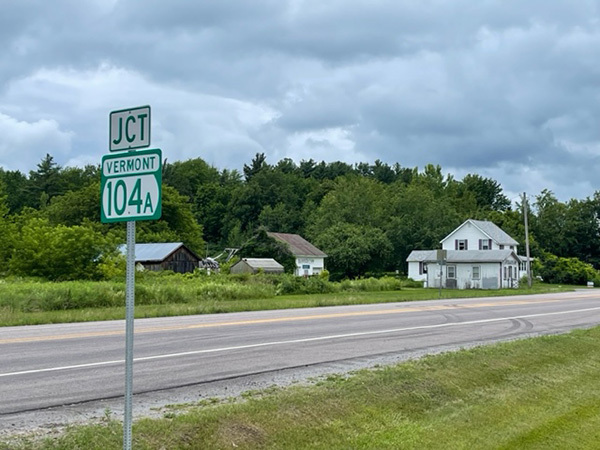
x: 129, y: 310
x: 130, y: 190
x: 441, y: 258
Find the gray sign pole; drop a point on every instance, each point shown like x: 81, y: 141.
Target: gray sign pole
x: 129, y: 305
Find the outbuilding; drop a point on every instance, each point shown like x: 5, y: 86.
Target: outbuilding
x: 309, y: 259
x: 255, y: 265
x: 175, y: 256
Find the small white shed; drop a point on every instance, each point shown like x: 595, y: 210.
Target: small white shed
x: 255, y: 265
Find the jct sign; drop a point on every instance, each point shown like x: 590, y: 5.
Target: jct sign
x: 131, y: 186
x: 129, y: 129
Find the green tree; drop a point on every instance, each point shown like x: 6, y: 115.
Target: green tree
x: 487, y: 192
x: 356, y: 200
x: 76, y: 206
x: 15, y: 184
x: 550, y: 226
x: 176, y: 224
x: 354, y: 250
x: 419, y: 219
x: 188, y: 176
x: 59, y: 252
x: 45, y: 182
x: 7, y: 231
x: 258, y: 163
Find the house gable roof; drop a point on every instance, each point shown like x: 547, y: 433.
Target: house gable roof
x: 297, y: 244
x: 490, y: 229
x: 156, y: 252
x: 463, y: 256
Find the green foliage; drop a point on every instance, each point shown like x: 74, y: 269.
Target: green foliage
x: 385, y: 211
x: 176, y: 225
x: 75, y: 207
x: 59, y: 252
x: 560, y: 270
x: 291, y: 284
x: 188, y: 176
x: 354, y: 249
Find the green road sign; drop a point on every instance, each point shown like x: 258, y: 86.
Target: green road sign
x: 130, y: 187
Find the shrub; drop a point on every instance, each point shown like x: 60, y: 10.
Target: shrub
x: 559, y: 270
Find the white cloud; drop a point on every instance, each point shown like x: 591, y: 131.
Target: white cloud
x: 186, y: 124
x: 23, y: 141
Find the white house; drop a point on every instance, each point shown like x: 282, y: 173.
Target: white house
x: 478, y: 235
x: 479, y: 255
x: 466, y: 269
x: 309, y: 259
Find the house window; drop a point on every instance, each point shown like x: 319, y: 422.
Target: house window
x: 485, y: 244
x: 305, y: 266
x: 505, y: 272
x: 501, y: 247
x: 461, y: 244
x: 476, y: 272
x: 512, y: 247
x: 422, y: 268
x: 451, y: 272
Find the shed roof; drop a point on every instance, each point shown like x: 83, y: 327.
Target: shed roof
x: 490, y: 229
x: 155, y: 251
x: 263, y: 263
x: 297, y: 244
x: 463, y: 256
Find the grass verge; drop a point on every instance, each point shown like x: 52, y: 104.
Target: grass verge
x: 540, y: 393
x: 36, y: 303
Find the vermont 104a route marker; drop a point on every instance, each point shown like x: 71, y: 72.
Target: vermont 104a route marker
x: 130, y: 186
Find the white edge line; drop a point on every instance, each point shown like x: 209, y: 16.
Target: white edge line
x: 292, y: 341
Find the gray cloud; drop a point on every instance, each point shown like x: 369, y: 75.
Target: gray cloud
x: 507, y: 89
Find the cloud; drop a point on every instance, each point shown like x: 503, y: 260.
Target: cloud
x: 22, y: 141
x: 185, y: 124
x: 503, y: 88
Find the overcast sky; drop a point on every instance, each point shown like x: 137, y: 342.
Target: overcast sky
x: 508, y: 89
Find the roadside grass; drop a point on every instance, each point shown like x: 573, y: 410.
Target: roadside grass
x: 539, y: 393
x: 24, y: 302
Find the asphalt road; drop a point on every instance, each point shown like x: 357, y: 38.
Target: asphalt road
x: 49, y: 370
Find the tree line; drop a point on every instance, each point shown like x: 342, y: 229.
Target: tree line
x: 366, y: 217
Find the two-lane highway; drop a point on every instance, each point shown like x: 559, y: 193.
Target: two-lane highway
x: 53, y: 365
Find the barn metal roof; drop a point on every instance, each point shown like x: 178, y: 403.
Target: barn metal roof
x: 153, y: 252
x: 297, y: 244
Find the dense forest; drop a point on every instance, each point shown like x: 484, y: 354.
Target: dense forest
x: 366, y: 217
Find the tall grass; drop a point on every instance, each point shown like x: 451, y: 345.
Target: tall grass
x: 163, y: 289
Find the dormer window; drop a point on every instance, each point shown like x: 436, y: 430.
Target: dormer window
x: 485, y: 244
x: 461, y: 244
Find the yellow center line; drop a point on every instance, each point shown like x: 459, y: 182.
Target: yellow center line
x: 398, y: 310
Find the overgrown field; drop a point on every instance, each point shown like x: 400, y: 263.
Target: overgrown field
x: 30, y: 302
x: 540, y: 393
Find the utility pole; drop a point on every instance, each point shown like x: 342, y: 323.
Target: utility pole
x: 528, y: 262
